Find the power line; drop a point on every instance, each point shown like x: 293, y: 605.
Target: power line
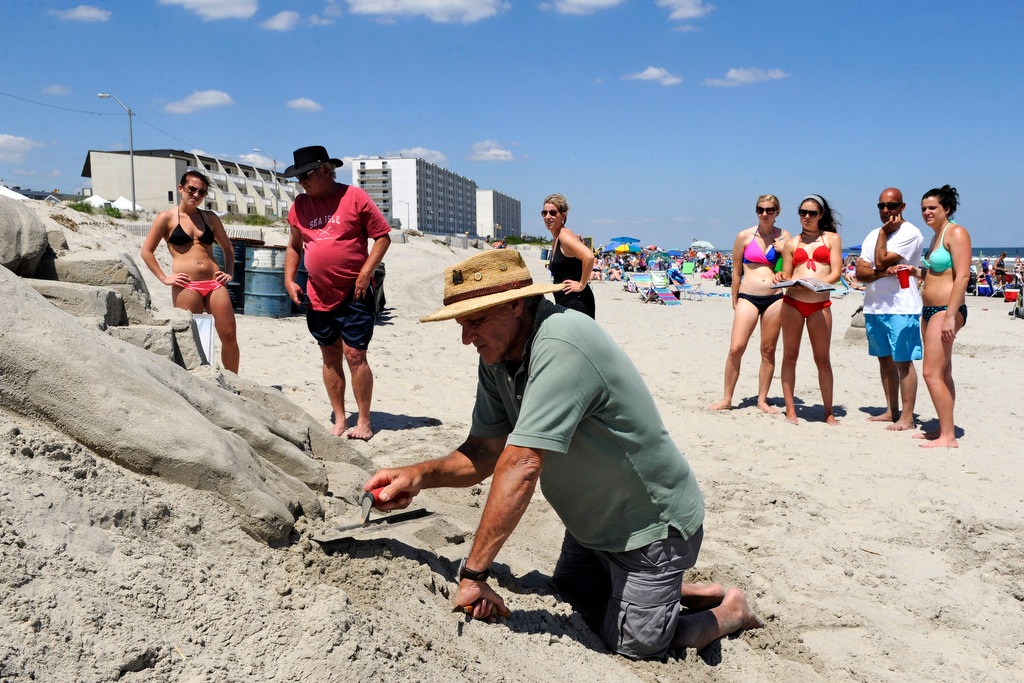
x: 54, y: 106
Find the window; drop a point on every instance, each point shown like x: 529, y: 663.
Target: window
x: 170, y: 196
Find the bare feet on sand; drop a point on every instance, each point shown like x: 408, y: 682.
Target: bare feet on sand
x: 703, y: 628
x: 901, y: 426
x: 361, y: 431
x: 724, y: 404
x: 698, y: 596
x: 767, y: 408
x: 831, y: 419
x: 936, y: 440
x: 884, y: 417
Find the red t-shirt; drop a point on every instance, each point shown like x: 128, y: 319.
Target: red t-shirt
x: 335, y: 231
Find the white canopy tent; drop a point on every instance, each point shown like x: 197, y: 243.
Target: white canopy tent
x: 11, y: 194
x: 125, y: 204
x: 96, y: 201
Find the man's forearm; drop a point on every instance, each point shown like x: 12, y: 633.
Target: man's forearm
x: 515, y: 479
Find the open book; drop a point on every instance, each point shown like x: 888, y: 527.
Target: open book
x: 813, y: 284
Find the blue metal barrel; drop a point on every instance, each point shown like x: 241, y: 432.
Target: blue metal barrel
x: 265, y: 294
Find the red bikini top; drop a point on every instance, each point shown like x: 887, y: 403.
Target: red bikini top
x: 821, y: 255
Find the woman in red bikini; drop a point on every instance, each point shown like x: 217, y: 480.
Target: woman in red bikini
x: 756, y: 251
x: 197, y: 283
x: 817, y: 252
x: 947, y: 270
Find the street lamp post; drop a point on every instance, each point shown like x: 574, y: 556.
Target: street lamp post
x: 257, y: 149
x: 131, y: 142
x: 406, y: 226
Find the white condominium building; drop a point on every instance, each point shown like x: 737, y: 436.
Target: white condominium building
x: 498, y: 215
x: 234, y: 187
x: 418, y: 195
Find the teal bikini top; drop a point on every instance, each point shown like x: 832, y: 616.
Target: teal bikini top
x: 939, y: 259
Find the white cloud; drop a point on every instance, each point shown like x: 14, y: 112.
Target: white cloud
x: 580, y: 6
x: 489, y: 150
x: 315, y: 20
x: 52, y: 173
x: 303, y: 104
x: 56, y: 89
x: 14, y: 149
x: 82, y: 13
x: 217, y: 9
x: 686, y: 28
x: 654, y: 73
x: 443, y: 11
x: 431, y: 155
x: 686, y: 9
x: 201, y: 99
x: 282, y: 21
x: 745, y: 77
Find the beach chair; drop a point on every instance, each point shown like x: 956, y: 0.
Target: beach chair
x: 687, y: 268
x: 659, y: 287
x: 642, y: 282
x: 692, y: 292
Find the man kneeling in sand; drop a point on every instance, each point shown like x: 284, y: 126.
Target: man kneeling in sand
x: 560, y: 403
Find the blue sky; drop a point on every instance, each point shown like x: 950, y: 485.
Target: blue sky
x: 661, y: 119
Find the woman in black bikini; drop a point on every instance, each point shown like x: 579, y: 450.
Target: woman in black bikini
x: 756, y: 252
x: 197, y: 283
x: 817, y: 252
x: 572, y: 262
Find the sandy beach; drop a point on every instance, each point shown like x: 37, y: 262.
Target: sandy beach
x: 868, y: 557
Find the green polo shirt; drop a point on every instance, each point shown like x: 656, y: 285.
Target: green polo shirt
x: 611, y: 471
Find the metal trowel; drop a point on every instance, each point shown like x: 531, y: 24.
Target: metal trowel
x: 366, y: 505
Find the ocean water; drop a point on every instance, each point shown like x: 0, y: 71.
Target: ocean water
x: 994, y: 252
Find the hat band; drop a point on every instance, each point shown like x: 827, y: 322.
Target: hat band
x: 484, y: 291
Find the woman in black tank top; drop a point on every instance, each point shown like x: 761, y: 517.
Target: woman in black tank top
x: 572, y: 262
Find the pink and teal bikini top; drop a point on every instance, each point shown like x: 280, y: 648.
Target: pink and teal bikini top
x: 753, y: 254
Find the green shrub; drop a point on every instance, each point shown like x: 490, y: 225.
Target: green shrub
x: 81, y: 206
x: 112, y: 211
x: 256, y: 219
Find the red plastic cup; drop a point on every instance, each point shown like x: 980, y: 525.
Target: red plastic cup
x: 904, y: 275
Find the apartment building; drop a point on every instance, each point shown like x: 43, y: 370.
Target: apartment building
x: 234, y: 187
x: 415, y: 194
x: 498, y: 215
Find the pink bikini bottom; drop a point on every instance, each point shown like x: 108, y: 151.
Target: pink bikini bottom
x: 204, y: 287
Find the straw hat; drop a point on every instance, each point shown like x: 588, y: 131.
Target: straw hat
x: 486, y: 280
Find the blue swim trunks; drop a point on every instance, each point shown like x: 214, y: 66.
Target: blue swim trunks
x: 894, y: 334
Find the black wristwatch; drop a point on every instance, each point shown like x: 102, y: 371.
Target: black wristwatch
x: 467, y: 573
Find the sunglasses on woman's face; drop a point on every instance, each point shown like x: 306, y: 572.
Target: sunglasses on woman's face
x: 199, y: 191
x: 765, y: 209
x: 552, y: 212
x: 808, y: 212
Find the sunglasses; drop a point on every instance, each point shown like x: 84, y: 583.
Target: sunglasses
x: 305, y: 176
x: 552, y: 212
x: 765, y: 209
x: 808, y: 212
x: 891, y: 206
x: 201, y: 191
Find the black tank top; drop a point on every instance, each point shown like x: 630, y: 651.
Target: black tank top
x: 564, y: 268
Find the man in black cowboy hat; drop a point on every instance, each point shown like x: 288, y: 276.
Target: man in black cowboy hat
x: 331, y: 224
x: 560, y: 403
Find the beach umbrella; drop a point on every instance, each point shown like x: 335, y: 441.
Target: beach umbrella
x: 611, y: 247
x: 625, y: 240
x: 702, y: 245
x: 674, y: 252
x: 630, y: 248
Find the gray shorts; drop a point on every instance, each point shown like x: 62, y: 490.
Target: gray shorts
x: 633, y: 596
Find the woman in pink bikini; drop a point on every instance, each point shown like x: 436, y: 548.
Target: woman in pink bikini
x: 817, y: 252
x: 754, y: 255
x: 197, y: 283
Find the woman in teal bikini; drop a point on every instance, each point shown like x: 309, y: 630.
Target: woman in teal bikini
x: 947, y: 270
x: 754, y: 255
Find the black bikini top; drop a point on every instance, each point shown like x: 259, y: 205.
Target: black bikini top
x: 180, y: 238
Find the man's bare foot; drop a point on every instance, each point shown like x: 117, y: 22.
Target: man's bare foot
x: 884, y: 417
x: 724, y: 404
x: 927, y: 435
x: 831, y: 419
x: 767, y: 408
x: 361, y: 431
x: 791, y: 419
x: 697, y: 596
x: 338, y: 429
x: 901, y: 426
x: 703, y: 628
x: 941, y: 442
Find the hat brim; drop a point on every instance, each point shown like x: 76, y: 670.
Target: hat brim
x: 479, y: 303
x: 294, y: 171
